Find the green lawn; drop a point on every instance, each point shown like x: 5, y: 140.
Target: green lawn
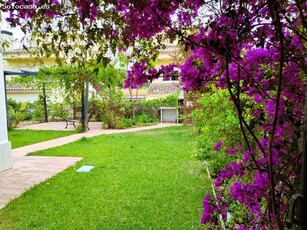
x: 142, y: 180
x: 21, y: 138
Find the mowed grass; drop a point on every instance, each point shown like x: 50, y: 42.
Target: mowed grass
x: 21, y: 138
x: 142, y: 180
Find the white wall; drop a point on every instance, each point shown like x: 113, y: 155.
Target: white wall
x: 24, y: 96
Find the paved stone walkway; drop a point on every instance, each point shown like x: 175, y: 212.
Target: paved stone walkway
x: 28, y: 171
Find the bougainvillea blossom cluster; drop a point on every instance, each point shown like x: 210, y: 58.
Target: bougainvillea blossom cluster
x: 140, y: 74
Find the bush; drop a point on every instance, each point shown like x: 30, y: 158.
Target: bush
x: 216, y: 121
x: 125, y: 123
x: 11, y: 120
x: 17, y: 112
x: 143, y: 119
x: 95, y: 108
x: 28, y: 112
x: 112, y: 110
x: 38, y: 109
x: 57, y: 111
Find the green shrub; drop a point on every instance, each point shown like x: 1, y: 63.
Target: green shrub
x: 38, y: 109
x: 171, y: 100
x: 111, y: 120
x: 11, y: 121
x: 57, y: 111
x: 112, y: 109
x: 95, y: 108
x: 79, y: 128
x: 237, y: 215
x: 28, y: 112
x: 17, y: 112
x: 125, y: 123
x: 13, y: 104
x: 143, y: 119
x: 216, y: 121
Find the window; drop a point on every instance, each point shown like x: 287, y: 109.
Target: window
x: 174, y: 77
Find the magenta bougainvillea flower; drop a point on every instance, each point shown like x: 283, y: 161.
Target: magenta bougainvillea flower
x: 217, y: 146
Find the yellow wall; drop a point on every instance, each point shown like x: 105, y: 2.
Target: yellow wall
x: 15, y: 61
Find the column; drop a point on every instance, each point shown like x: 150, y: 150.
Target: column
x: 5, y: 145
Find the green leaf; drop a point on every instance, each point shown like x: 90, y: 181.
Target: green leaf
x: 106, y: 61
